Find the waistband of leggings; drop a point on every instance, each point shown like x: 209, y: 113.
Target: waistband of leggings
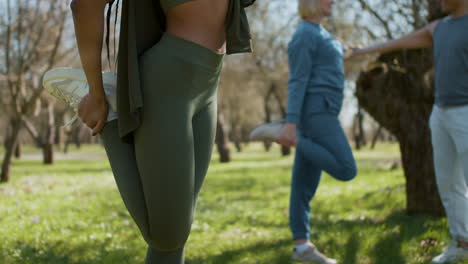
x: 192, y: 51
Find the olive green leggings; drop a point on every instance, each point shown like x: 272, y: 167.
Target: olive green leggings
x: 159, y: 176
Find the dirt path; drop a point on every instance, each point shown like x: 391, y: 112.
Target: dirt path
x: 68, y: 156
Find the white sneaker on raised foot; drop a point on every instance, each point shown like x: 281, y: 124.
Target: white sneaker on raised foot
x: 70, y: 85
x: 312, y: 255
x: 268, y: 131
x: 451, y: 254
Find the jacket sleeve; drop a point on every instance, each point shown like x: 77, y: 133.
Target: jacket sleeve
x: 300, y: 55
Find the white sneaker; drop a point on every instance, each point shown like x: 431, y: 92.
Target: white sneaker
x: 312, y: 255
x: 70, y: 85
x: 269, y: 131
x: 451, y: 254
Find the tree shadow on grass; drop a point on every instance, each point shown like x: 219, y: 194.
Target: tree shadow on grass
x: 399, y: 227
x: 388, y: 250
x: 62, y: 253
x: 403, y: 228
x: 352, y: 248
x: 278, y: 253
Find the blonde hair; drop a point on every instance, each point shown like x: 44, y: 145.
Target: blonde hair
x: 309, y: 8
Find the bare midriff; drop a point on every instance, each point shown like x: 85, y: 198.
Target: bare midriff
x: 200, y: 21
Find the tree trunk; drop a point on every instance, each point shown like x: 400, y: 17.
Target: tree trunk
x: 356, y: 137
x: 68, y: 141
x: 267, y: 145
x: 421, y: 188
x: 71, y: 137
x: 376, y: 136
x: 9, y: 151
x: 285, y: 151
x: 58, y: 136
x: 238, y: 145
x: 358, y: 129
x: 48, y: 146
x: 33, y: 133
x: 435, y: 10
x: 48, y: 154
x: 77, y: 136
x: 59, y: 133
x: 399, y: 95
x: 18, y: 150
x: 362, y: 133
x: 222, y: 140
x: 236, y: 136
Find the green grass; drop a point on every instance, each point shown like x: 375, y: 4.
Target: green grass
x: 72, y: 213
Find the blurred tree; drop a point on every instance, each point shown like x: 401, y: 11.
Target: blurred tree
x: 31, y: 34
x: 222, y: 140
x: 398, y: 93
x: 253, y: 87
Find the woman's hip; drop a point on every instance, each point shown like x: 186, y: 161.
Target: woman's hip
x: 178, y: 67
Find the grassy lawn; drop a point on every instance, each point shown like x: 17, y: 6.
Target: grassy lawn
x: 72, y: 213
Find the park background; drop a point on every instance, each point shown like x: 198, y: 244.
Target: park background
x: 58, y: 199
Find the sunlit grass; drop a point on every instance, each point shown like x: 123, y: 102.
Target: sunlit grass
x: 71, y: 212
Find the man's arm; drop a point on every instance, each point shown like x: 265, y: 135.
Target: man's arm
x: 421, y: 38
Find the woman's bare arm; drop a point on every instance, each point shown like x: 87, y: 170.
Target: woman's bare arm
x: 88, y: 18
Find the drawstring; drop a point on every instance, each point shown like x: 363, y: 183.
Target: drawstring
x: 108, y: 20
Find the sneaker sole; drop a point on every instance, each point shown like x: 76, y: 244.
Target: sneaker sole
x: 264, y: 132
x: 60, y: 74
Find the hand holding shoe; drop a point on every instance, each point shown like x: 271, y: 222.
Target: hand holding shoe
x: 93, y: 112
x: 288, y: 136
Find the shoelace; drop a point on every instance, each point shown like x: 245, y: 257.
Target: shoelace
x: 69, y: 123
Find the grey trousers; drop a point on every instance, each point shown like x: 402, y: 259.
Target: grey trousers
x: 449, y: 129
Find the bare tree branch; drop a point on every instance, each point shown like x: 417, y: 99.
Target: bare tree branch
x: 384, y: 23
x: 51, y: 63
x: 32, y: 131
